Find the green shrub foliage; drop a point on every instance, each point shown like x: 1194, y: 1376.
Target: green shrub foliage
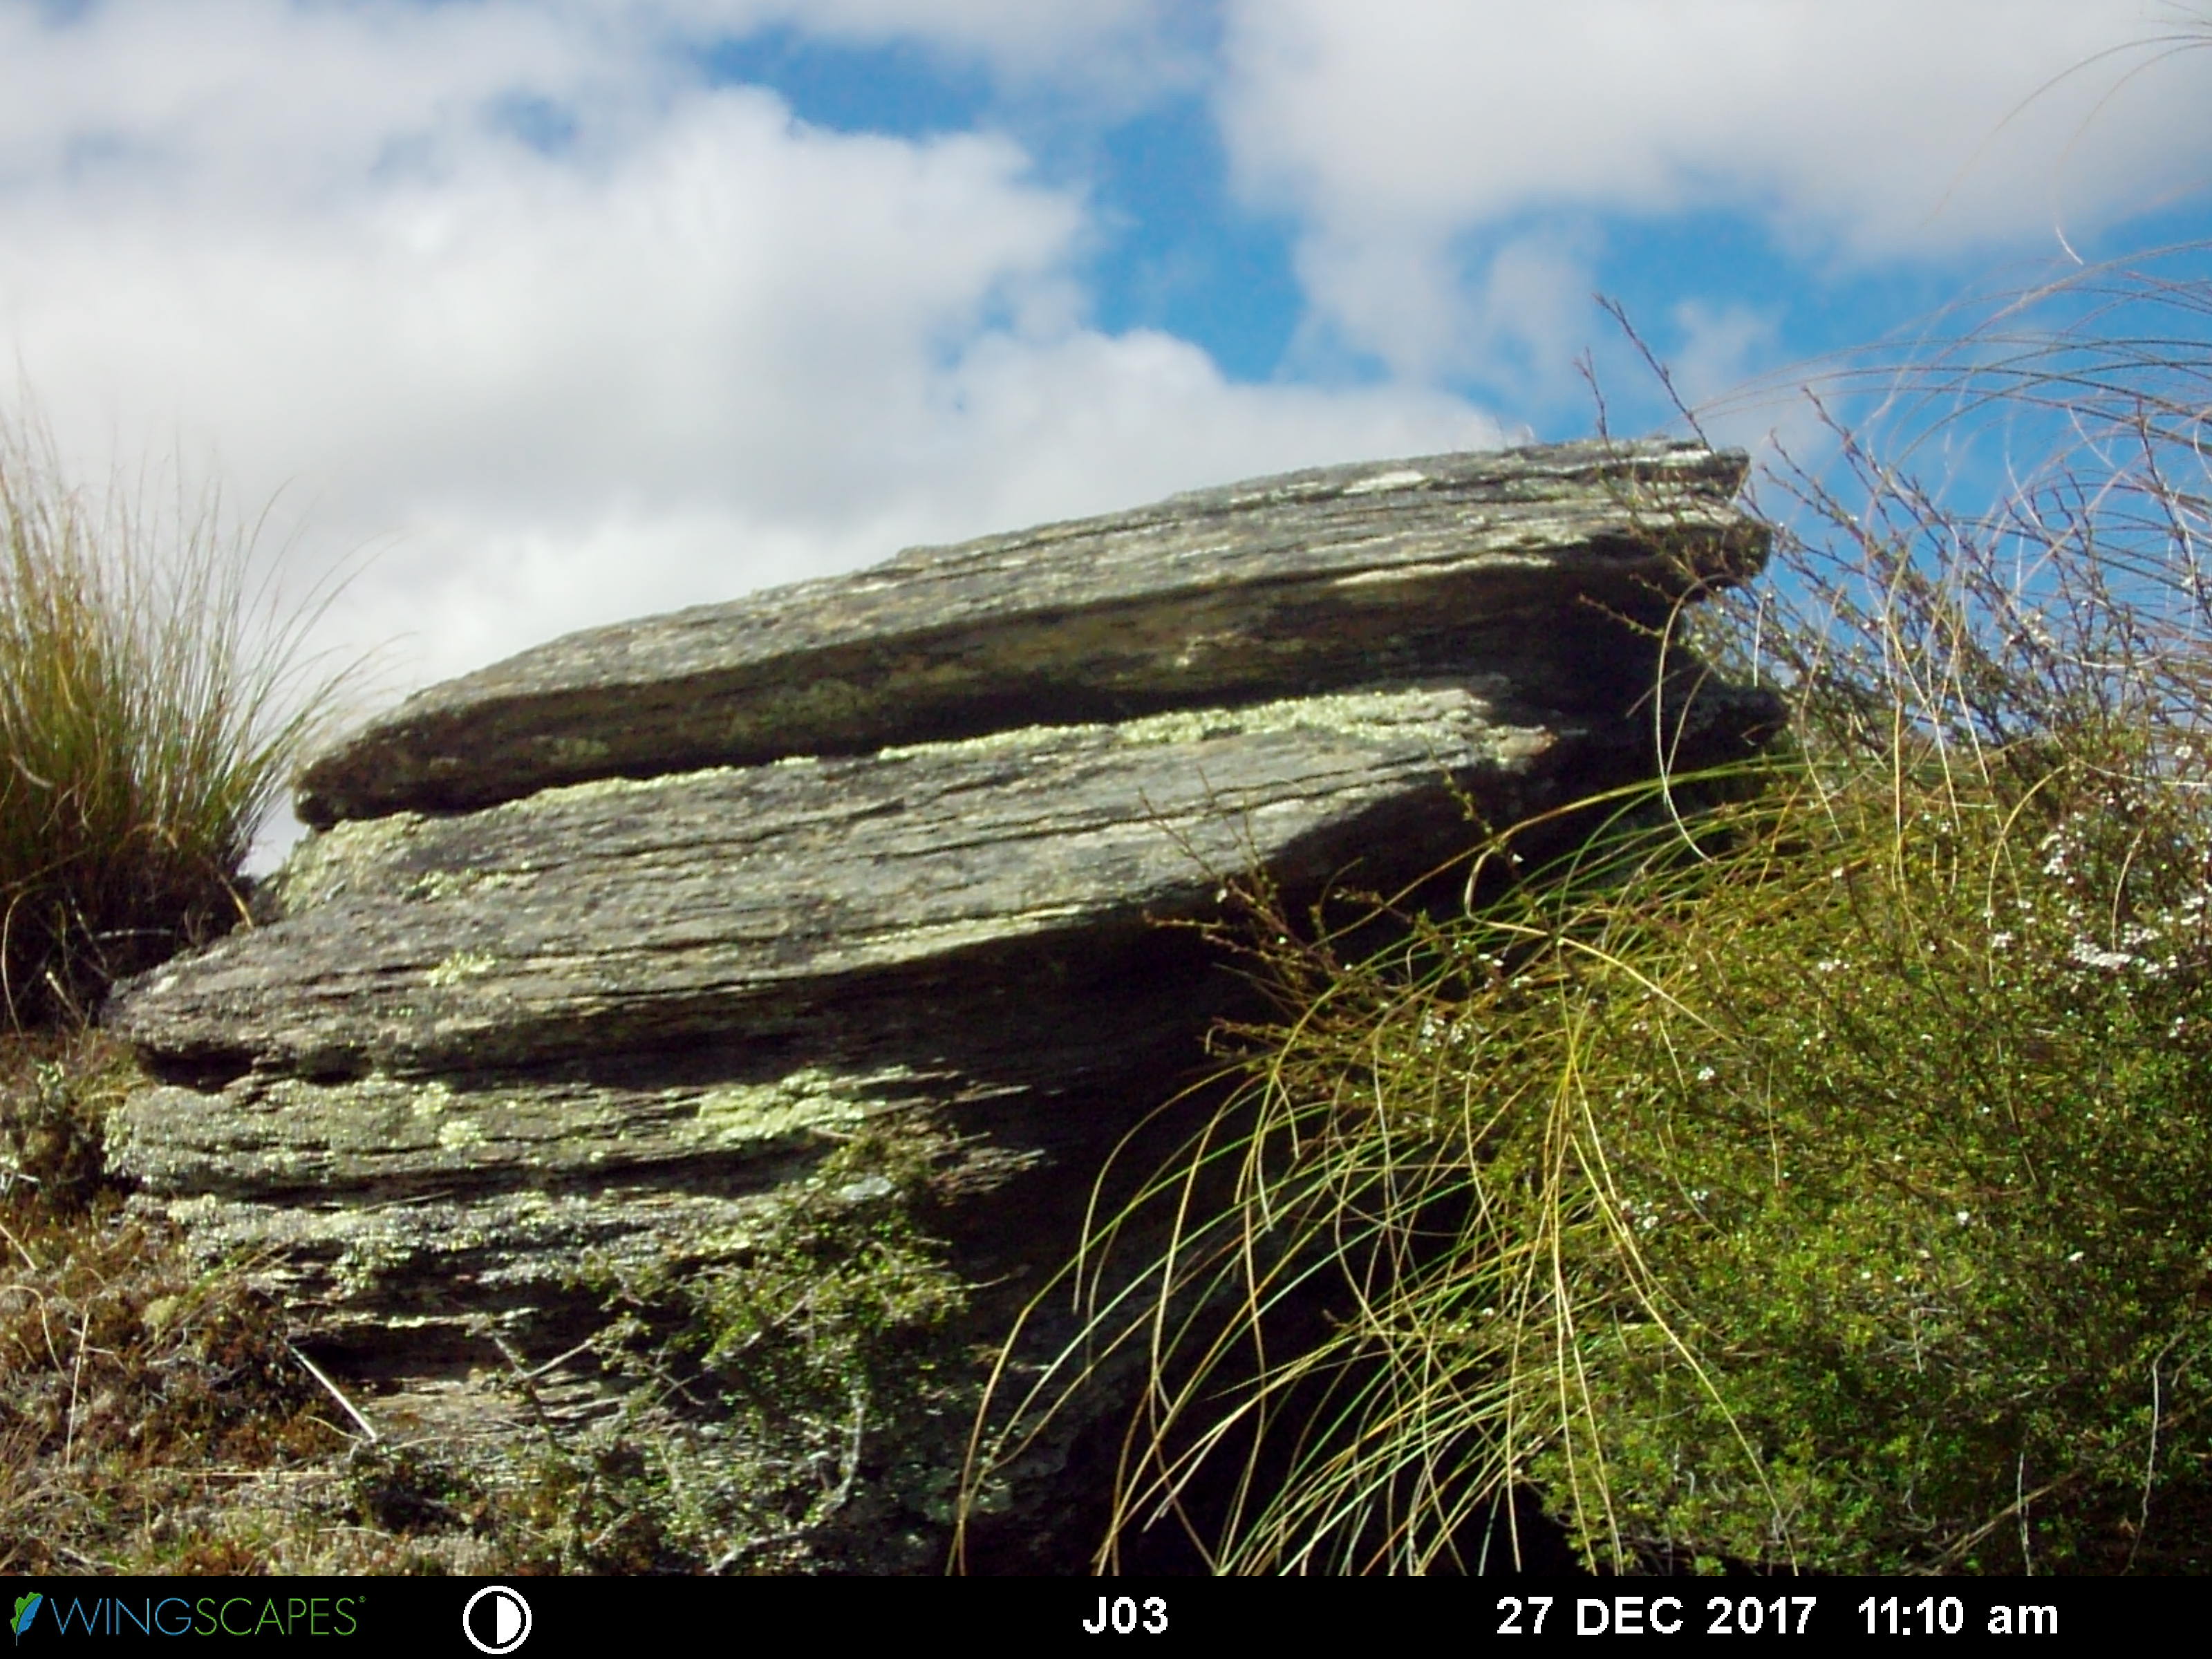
x: 1804, y: 1170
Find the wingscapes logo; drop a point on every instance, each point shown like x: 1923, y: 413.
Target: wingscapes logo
x: 173, y: 1615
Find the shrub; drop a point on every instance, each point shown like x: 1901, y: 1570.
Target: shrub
x: 150, y: 710
x: 56, y: 1088
x: 1804, y: 1171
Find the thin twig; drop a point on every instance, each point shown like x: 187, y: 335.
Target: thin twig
x: 537, y: 1371
x: 323, y: 1378
x: 76, y: 1375
x: 29, y: 1260
x: 2150, y: 1462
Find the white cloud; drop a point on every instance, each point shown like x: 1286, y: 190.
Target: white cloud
x: 693, y: 346
x: 1427, y: 308
x: 1719, y: 347
x: 1397, y: 129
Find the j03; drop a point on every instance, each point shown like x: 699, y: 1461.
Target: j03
x: 1124, y: 1617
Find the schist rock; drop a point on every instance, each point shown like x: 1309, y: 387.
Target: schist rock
x: 664, y: 952
x: 1489, y: 563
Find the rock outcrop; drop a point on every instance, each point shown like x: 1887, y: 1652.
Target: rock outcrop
x: 825, y: 927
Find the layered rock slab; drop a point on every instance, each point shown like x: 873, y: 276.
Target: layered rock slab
x: 1484, y: 563
x: 666, y: 986
x: 628, y: 914
x: 504, y: 1038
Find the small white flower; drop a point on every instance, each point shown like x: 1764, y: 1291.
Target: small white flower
x: 2093, y: 955
x: 1963, y: 1217
x: 1706, y: 1074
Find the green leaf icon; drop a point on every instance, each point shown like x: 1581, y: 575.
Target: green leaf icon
x: 26, y: 1606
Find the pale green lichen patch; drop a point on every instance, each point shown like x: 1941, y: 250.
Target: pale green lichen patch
x: 1386, y: 716
x: 806, y: 1102
x: 439, y: 885
x: 573, y: 751
x: 368, y: 1258
x: 325, y: 866
x: 606, y: 787
x: 1390, y: 716
x: 458, y: 1132
x: 461, y: 965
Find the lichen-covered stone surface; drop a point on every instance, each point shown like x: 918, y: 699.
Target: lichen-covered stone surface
x: 632, y: 914
x: 1279, y: 586
x: 711, y: 1029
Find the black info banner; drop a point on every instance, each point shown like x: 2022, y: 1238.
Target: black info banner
x: 526, y: 1616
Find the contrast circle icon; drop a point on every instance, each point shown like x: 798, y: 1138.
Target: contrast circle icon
x: 496, y: 1620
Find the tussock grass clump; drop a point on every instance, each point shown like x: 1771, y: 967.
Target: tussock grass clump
x: 150, y: 711
x: 1806, y: 1169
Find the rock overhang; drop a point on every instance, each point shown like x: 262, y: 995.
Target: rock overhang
x: 1253, y: 591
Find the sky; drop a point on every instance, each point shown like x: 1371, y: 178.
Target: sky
x: 525, y: 315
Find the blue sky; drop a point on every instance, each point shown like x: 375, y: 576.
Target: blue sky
x: 559, y: 311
